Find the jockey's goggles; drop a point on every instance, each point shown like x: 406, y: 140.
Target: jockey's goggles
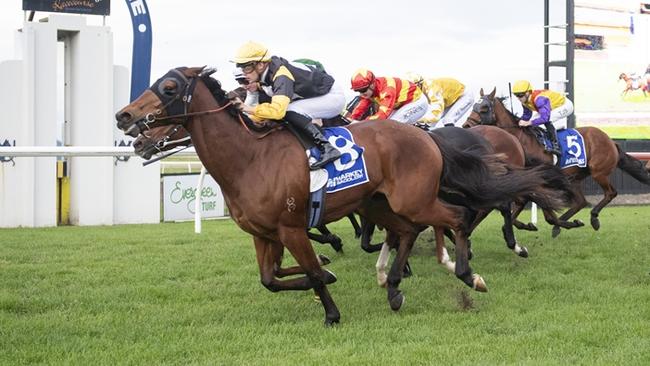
x: 519, y: 95
x: 363, y: 90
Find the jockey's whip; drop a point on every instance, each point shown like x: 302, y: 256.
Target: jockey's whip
x: 157, y: 158
x: 512, y: 108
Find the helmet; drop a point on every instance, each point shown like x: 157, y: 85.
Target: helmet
x: 362, y: 79
x: 521, y: 86
x: 251, y: 52
x: 414, y: 77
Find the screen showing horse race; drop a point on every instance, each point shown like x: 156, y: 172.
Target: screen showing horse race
x: 612, y: 66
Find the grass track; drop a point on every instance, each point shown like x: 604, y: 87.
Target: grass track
x: 158, y: 294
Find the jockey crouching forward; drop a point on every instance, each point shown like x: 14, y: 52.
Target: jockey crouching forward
x: 398, y: 99
x: 298, y: 94
x: 449, y: 101
x: 553, y: 109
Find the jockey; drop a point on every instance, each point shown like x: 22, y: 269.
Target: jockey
x: 398, y: 99
x: 553, y: 109
x: 299, y: 93
x: 449, y: 101
x: 252, y: 89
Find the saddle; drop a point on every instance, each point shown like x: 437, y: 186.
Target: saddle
x: 540, y: 135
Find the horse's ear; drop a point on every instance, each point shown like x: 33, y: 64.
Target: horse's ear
x: 207, y: 71
x: 481, y: 92
x: 494, y: 92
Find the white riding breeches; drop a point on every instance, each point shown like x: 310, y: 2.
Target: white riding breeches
x: 559, y: 115
x: 458, y: 112
x: 412, y: 112
x: 324, y: 106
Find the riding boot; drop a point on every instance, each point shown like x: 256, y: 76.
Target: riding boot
x: 552, y: 136
x: 328, y: 152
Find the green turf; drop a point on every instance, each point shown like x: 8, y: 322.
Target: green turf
x: 161, y: 295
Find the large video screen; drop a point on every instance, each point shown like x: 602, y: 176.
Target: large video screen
x: 612, y: 66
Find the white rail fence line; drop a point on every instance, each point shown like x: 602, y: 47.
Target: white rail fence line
x: 77, y: 151
x: 94, y: 151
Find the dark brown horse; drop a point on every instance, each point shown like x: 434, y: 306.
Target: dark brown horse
x: 265, y: 181
x: 486, y: 140
x: 603, y: 154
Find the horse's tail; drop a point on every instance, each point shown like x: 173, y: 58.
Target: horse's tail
x: 633, y: 166
x: 487, y: 182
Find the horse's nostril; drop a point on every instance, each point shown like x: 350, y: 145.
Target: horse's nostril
x: 123, y: 117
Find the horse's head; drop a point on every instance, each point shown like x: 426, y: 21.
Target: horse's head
x: 622, y: 76
x: 159, y: 139
x: 165, y: 102
x: 482, y: 111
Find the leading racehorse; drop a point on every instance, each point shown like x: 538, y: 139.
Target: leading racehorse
x: 603, y: 156
x: 265, y: 182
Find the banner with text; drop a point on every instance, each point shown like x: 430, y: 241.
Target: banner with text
x: 92, y: 7
x: 179, y: 195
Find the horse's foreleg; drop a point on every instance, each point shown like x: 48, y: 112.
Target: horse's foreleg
x: 508, y: 233
x: 441, y: 250
x: 382, y: 263
x: 355, y: 225
x: 367, y: 229
x: 297, y: 243
x: 326, y: 238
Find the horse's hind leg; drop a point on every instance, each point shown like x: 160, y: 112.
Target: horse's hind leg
x: 579, y: 203
x: 508, y: 233
x: 609, y: 194
x: 516, y: 211
x: 459, y: 219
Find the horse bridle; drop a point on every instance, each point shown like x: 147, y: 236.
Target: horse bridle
x: 175, y: 103
x: 486, y: 117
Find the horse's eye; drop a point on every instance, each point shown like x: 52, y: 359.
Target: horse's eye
x: 169, y: 90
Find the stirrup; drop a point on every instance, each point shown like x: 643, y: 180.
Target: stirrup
x: 321, y: 163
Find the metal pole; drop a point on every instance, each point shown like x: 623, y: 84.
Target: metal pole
x: 546, y: 41
x: 570, y: 53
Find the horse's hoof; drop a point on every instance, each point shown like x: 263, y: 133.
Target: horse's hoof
x: 479, y: 284
x: 523, y: 253
x: 317, y: 298
x: 556, y: 231
x: 578, y: 223
x: 323, y: 260
x: 532, y: 227
x: 396, y: 301
x: 330, y: 322
x: 595, y: 223
x: 329, y: 276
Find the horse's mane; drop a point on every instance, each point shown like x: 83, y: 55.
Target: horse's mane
x: 220, y: 95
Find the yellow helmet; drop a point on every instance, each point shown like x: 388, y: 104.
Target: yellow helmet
x: 251, y: 52
x: 521, y: 86
x: 414, y: 77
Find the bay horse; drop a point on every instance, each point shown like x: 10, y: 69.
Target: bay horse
x: 485, y: 140
x: 603, y: 156
x: 165, y: 138
x: 633, y: 83
x: 265, y: 182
